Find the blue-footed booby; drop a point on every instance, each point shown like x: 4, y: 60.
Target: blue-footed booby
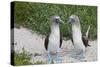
x: 79, y: 41
x: 53, y: 41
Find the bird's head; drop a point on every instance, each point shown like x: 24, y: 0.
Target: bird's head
x: 56, y: 19
x: 73, y: 19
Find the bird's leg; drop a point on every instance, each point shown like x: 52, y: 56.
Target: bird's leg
x: 58, y: 57
x: 80, y: 54
x: 49, y: 58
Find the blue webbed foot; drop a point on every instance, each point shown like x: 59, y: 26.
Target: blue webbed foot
x: 58, y: 57
x: 49, y: 61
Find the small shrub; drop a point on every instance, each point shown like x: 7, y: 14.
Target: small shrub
x: 22, y: 58
x: 39, y: 62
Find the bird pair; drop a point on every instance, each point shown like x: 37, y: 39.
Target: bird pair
x: 53, y: 41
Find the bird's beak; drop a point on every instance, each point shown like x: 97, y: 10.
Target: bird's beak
x: 69, y: 21
x: 61, y: 21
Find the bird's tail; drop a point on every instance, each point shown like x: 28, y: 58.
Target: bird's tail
x: 87, y: 32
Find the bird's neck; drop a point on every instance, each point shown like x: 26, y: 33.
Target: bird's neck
x: 76, y: 32
x: 55, y: 28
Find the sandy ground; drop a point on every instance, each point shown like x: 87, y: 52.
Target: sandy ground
x: 34, y: 44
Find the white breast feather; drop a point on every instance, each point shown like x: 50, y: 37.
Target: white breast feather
x: 77, y: 38
x: 54, y: 39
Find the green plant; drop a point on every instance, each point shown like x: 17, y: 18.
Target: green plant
x: 39, y: 62
x: 22, y: 58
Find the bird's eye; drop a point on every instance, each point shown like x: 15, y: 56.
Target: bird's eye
x: 72, y: 20
x: 56, y: 20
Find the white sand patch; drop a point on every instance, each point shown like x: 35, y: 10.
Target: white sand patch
x: 31, y: 42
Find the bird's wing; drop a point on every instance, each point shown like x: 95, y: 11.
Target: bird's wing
x: 85, y: 41
x: 85, y: 37
x: 60, y: 40
x: 46, y: 42
x: 72, y: 40
x: 87, y: 32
